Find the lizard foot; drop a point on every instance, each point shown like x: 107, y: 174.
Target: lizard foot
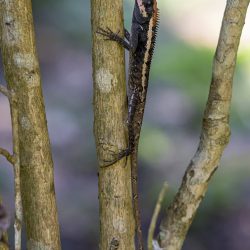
x: 121, y: 154
x: 108, y: 33
x: 111, y: 36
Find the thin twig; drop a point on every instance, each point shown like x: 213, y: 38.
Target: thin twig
x: 9, y: 157
x: 157, y: 210
x: 15, y: 161
x: 4, y: 91
x: 16, y: 153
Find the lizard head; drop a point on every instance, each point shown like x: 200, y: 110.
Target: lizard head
x: 147, y: 7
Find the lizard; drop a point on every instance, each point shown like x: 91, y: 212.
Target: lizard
x: 140, y: 45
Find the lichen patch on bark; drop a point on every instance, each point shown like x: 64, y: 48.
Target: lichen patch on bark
x: 24, y: 60
x: 189, y: 212
x: 25, y: 123
x: 10, y: 35
x: 105, y: 80
x: 36, y: 245
x: 119, y: 224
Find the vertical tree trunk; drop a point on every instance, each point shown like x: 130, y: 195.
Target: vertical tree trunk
x: 22, y: 74
x: 110, y: 110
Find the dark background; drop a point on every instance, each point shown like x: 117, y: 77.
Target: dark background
x: 179, y: 83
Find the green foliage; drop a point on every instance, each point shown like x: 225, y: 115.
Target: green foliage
x: 185, y: 67
x: 156, y: 137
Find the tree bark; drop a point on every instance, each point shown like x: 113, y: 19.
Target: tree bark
x: 110, y: 110
x: 21, y: 69
x: 215, y: 131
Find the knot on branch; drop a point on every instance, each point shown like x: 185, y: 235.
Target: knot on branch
x: 114, y: 244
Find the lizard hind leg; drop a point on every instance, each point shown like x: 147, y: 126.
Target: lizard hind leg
x: 118, y: 157
x: 127, y: 34
x: 110, y: 35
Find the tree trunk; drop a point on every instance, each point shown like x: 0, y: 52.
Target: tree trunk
x: 110, y: 110
x: 21, y: 69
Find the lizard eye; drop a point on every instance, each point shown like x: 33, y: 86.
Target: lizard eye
x: 148, y: 3
x: 149, y: 6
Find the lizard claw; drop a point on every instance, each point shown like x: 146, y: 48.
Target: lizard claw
x: 108, y: 33
x: 121, y: 154
x: 112, y: 36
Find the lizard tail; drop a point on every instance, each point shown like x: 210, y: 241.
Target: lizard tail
x: 137, y: 213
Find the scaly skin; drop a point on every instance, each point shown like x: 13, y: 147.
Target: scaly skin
x: 140, y: 44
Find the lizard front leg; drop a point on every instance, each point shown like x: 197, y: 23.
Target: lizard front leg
x: 110, y: 35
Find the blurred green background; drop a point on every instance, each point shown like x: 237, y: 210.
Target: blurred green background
x: 179, y: 84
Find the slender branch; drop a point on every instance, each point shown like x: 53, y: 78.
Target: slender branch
x: 7, y: 155
x: 215, y: 131
x: 4, y: 90
x: 156, y: 212
x: 16, y: 153
x: 15, y: 161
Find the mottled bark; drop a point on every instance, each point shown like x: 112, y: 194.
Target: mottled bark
x: 110, y: 110
x: 21, y: 69
x: 215, y: 131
